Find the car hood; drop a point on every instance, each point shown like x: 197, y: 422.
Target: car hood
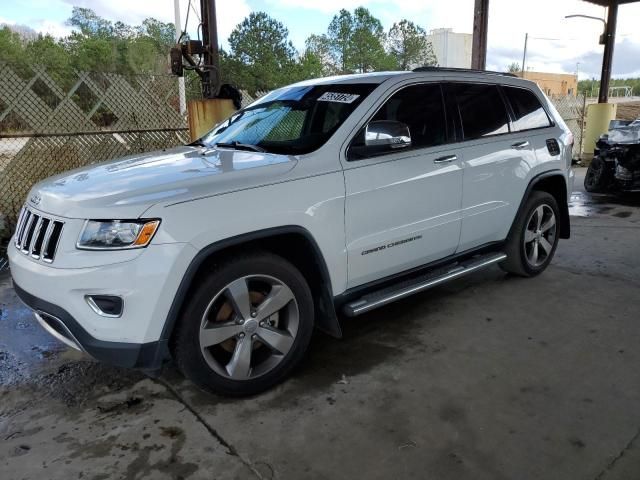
x: 126, y: 187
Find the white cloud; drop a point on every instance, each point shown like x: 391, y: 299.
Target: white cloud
x: 230, y: 13
x: 46, y: 27
x: 428, y: 13
x: 557, y: 44
x: 55, y: 29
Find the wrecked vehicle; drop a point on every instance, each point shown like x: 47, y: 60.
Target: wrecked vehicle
x: 616, y: 160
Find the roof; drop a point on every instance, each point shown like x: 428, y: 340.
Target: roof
x: 606, y: 3
x: 379, y: 77
x: 373, y: 77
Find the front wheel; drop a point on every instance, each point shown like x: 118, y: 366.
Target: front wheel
x: 534, y: 236
x: 598, y: 178
x: 246, y: 327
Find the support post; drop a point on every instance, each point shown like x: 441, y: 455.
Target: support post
x: 607, y: 59
x: 211, y: 76
x: 181, y: 90
x: 524, y: 52
x: 480, y: 27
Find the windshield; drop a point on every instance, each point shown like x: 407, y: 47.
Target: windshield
x: 291, y: 120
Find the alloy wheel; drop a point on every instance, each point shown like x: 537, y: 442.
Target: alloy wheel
x: 249, y: 327
x: 540, y: 235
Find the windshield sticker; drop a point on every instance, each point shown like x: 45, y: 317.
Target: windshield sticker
x: 338, y: 97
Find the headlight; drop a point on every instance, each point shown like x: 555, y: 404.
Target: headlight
x: 116, y: 234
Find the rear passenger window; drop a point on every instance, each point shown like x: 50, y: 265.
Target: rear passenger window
x: 482, y: 110
x: 422, y: 109
x: 527, y: 109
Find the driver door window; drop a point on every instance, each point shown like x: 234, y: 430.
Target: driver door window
x: 421, y: 108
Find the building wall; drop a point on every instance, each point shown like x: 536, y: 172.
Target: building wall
x: 553, y: 83
x: 452, y: 49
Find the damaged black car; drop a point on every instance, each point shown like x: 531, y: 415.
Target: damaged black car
x: 616, y: 160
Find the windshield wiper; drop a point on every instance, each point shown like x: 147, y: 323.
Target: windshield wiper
x: 198, y: 143
x: 240, y: 146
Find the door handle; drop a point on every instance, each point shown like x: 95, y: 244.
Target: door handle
x: 446, y: 159
x: 520, y: 145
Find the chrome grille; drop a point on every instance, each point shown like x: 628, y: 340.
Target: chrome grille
x: 37, y: 235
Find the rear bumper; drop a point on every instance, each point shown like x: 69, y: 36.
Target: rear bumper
x: 59, y: 323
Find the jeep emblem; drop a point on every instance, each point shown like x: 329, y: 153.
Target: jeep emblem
x: 35, y: 199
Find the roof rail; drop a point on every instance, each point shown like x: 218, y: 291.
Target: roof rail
x: 461, y: 70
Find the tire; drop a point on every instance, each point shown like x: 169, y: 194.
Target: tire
x: 246, y: 326
x: 596, y: 179
x: 533, y: 238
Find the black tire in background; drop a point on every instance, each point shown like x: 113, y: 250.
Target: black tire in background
x: 598, y: 178
x: 199, y: 363
x: 519, y: 242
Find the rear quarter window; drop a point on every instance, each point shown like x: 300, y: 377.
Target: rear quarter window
x: 527, y: 109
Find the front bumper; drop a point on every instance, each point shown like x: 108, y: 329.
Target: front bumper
x: 59, y: 323
x: 147, y: 285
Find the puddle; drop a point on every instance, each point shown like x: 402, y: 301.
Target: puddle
x: 582, y: 204
x: 26, y: 349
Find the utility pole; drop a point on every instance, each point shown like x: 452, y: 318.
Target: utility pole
x: 480, y: 27
x: 211, y: 73
x: 181, y: 91
x: 202, y: 58
x: 524, y: 53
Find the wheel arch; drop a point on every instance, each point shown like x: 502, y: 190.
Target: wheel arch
x: 306, y: 256
x: 554, y: 183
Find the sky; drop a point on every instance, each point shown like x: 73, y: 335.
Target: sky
x: 555, y: 44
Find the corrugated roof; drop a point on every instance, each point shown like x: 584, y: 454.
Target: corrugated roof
x: 606, y: 3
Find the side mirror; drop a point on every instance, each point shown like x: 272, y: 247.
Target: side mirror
x: 387, y: 133
x: 381, y: 136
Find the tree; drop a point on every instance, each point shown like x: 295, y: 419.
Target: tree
x: 339, y: 36
x: 49, y: 53
x: 261, y: 46
x: 309, y: 65
x: 11, y: 46
x: 320, y: 47
x: 514, y: 67
x: 357, y: 42
x: 90, y: 24
x: 368, y: 38
x: 409, y: 46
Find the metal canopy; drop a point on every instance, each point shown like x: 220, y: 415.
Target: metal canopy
x: 481, y: 25
x: 607, y: 3
x: 609, y: 42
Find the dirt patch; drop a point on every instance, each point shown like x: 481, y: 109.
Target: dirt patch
x: 76, y: 382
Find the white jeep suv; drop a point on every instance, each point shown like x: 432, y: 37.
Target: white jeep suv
x: 325, y: 198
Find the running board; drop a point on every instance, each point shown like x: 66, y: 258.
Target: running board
x: 420, y: 284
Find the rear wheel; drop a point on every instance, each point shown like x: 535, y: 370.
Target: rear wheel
x: 247, y: 326
x: 534, y: 237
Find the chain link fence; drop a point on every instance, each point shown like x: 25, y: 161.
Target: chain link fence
x: 49, y: 125
x: 572, y: 109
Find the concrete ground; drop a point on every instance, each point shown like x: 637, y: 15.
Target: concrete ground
x: 490, y: 377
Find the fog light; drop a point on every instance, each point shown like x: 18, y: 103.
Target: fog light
x: 106, y: 305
